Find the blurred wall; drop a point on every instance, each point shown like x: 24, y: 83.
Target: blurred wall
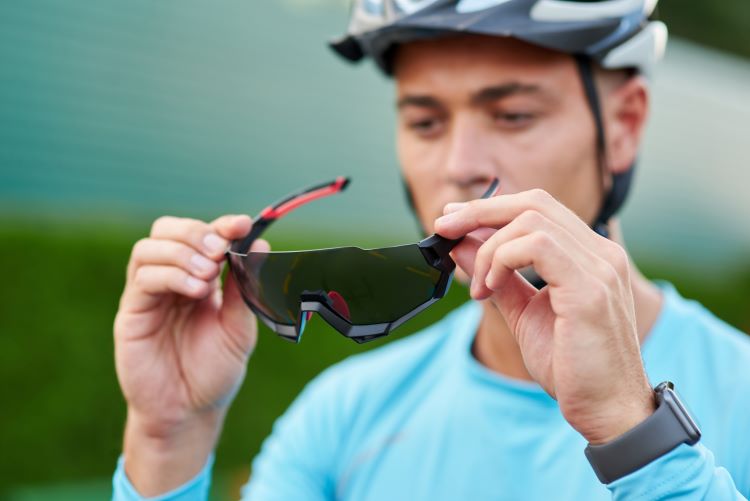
x: 195, y: 109
x: 690, y: 201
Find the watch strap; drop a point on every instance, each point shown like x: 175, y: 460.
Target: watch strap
x: 668, y: 427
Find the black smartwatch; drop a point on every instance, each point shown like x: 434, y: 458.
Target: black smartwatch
x: 669, y: 426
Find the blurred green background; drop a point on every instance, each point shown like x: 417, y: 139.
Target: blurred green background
x: 112, y: 114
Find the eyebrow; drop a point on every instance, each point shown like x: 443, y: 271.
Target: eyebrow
x: 483, y: 96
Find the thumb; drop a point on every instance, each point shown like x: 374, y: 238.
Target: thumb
x: 235, y: 316
x: 465, y: 253
x: 232, y: 226
x: 512, y: 297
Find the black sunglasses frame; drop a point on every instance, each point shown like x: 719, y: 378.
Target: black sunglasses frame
x: 435, y: 249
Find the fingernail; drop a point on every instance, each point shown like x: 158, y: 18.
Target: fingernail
x: 473, y: 286
x: 489, y: 280
x: 447, y: 219
x: 193, y: 283
x: 201, y: 263
x: 454, y: 207
x: 214, y: 243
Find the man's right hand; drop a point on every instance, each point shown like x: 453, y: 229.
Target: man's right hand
x: 181, y: 347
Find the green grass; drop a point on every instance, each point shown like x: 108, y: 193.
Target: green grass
x: 722, y: 25
x: 62, y: 412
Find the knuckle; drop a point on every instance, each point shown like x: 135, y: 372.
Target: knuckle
x: 540, y: 196
x: 198, y: 225
x: 498, y: 257
x: 531, y: 217
x: 484, y: 253
x: 472, y: 207
x: 610, y: 275
x: 542, y: 241
x: 618, y: 257
x: 598, y: 292
x: 160, y: 223
x: 183, y: 255
x: 139, y: 247
x: 193, y: 226
x: 141, y: 277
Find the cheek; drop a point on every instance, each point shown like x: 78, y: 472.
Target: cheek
x: 420, y: 167
x: 561, y: 159
x: 576, y: 180
x: 418, y: 157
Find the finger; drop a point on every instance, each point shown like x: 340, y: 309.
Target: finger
x: 528, y: 222
x: 232, y: 227
x: 149, y: 251
x: 152, y: 282
x: 235, y: 316
x: 500, y: 210
x: 516, y: 291
x: 512, y: 298
x: 236, y: 319
x: 454, y: 207
x: 197, y: 234
x: 551, y: 261
x: 465, y: 253
x: 482, y: 234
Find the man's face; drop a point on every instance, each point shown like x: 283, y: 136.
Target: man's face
x: 471, y: 108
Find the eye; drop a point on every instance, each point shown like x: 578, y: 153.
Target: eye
x: 425, y: 127
x: 513, y: 119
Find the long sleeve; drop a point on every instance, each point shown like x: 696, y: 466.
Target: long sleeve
x: 685, y: 473
x: 298, y: 459
x: 195, y: 489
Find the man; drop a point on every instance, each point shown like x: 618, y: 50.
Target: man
x: 499, y: 399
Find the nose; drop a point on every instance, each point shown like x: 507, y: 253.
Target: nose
x: 469, y: 158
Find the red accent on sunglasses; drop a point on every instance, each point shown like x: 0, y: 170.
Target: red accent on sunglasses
x: 339, y: 304
x: 283, y: 209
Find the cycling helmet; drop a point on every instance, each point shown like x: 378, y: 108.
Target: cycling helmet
x: 615, y: 34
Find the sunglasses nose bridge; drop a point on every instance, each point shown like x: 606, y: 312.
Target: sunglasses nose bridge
x: 330, y: 305
x: 309, y: 303
x: 304, y: 317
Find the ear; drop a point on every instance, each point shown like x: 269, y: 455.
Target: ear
x: 625, y: 112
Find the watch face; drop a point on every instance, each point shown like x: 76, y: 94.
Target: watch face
x: 686, y: 419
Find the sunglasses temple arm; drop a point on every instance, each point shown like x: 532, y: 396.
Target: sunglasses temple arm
x: 285, y: 206
x: 492, y: 188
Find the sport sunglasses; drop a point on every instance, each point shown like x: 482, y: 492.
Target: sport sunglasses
x: 362, y: 293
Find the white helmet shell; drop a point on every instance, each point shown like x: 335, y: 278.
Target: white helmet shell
x: 614, y: 33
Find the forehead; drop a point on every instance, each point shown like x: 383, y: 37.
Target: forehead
x: 465, y: 63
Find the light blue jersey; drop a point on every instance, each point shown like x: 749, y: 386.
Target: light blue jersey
x: 422, y: 419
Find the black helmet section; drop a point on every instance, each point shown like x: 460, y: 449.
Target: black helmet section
x: 618, y: 191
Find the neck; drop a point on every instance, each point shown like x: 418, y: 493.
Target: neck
x: 495, y: 346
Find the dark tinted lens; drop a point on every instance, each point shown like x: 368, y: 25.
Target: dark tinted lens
x: 364, y: 286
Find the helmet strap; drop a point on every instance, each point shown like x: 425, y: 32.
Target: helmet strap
x: 618, y: 191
